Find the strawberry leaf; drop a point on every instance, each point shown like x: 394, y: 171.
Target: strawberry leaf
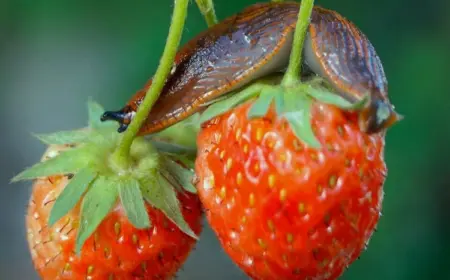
x: 160, y: 193
x: 331, y: 98
x: 223, y: 106
x: 133, y: 203
x: 298, y: 115
x: 170, y: 148
x: 71, y: 194
x: 64, y: 137
x: 95, y: 112
x: 97, y: 203
x: 180, y: 174
x: 188, y: 161
x: 191, y: 121
x: 217, y: 100
x: 70, y: 161
x: 262, y: 104
x: 171, y: 179
x: 182, y: 134
x: 142, y: 148
x: 279, y: 103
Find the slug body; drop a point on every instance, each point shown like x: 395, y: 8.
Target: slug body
x: 257, y: 42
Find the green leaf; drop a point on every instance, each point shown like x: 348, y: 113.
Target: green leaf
x: 160, y: 193
x: 98, y: 201
x: 70, y: 161
x: 95, y: 111
x: 317, y: 81
x: 141, y: 148
x: 182, y: 175
x: 189, y: 124
x: 133, y: 203
x: 187, y: 160
x: 331, y: 98
x: 71, y: 194
x: 183, y: 133
x: 262, y: 103
x: 223, y: 106
x: 171, y: 179
x: 64, y: 137
x: 217, y: 100
x: 166, y: 147
x: 279, y: 103
x: 298, y: 114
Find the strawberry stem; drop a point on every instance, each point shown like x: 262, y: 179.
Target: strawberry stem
x: 206, y: 7
x: 292, y: 75
x: 121, y: 156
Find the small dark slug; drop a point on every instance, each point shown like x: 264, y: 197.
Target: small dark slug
x: 257, y: 42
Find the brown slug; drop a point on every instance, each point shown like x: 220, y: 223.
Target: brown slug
x: 257, y: 42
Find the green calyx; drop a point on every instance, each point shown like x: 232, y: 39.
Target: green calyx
x: 158, y: 171
x: 292, y: 102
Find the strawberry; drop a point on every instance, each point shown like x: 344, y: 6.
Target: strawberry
x: 288, y: 200
x: 88, y: 219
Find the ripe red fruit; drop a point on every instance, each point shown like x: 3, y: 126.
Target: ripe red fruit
x: 92, y: 216
x: 284, y: 210
x: 116, y: 250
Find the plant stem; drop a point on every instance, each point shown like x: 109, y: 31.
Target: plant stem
x: 277, y: 1
x: 292, y: 75
x: 121, y: 155
x: 207, y: 9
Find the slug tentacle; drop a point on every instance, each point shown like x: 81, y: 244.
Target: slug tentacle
x: 338, y: 51
x: 257, y: 42
x: 123, y: 117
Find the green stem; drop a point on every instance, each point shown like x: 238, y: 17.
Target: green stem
x: 207, y: 9
x: 121, y: 155
x: 277, y: 1
x: 293, y: 71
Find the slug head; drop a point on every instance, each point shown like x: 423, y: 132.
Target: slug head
x: 123, y: 117
x: 379, y: 115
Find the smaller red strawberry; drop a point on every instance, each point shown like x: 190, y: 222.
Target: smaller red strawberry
x: 293, y: 189
x: 88, y: 219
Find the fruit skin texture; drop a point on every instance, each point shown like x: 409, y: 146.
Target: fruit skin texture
x: 282, y: 210
x: 116, y: 250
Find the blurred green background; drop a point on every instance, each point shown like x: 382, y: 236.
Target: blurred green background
x: 54, y: 55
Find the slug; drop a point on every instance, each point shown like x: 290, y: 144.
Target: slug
x: 257, y: 42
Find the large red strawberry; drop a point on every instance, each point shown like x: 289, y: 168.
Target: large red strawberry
x: 88, y: 219
x: 284, y: 208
